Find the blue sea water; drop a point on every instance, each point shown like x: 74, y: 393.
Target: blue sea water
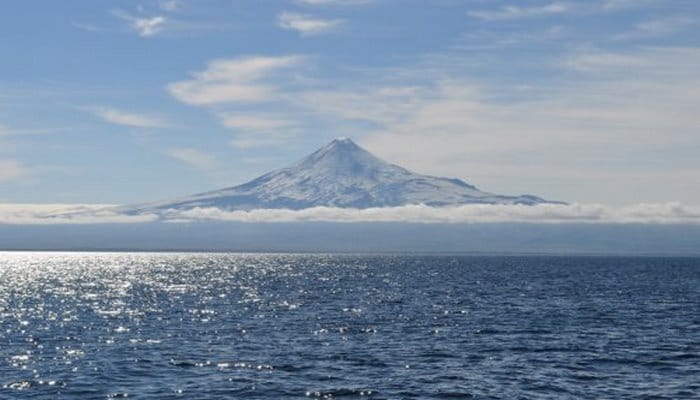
x: 210, y: 326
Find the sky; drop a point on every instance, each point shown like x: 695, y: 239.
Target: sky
x: 119, y: 102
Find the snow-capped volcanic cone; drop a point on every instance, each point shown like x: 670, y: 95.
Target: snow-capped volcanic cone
x: 341, y: 174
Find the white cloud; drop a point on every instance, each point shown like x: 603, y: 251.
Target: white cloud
x: 239, y: 81
x: 670, y: 213
x: 5, y: 131
x: 333, y: 2
x: 193, y: 157
x: 170, y: 5
x: 119, y: 117
x: 236, y: 80
x: 256, y: 122
x: 666, y: 213
x: 557, y: 8
x: 659, y: 27
x: 599, y: 61
x: 651, y: 65
x: 307, y: 25
x: 250, y: 141
x: 12, y: 170
x: 614, y: 5
x: 519, y: 12
x: 86, y: 27
x: 47, y: 214
x: 259, y: 129
x: 142, y: 25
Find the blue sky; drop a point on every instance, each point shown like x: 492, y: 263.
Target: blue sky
x: 131, y: 101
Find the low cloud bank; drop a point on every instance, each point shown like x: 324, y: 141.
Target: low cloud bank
x: 51, y: 214
x: 670, y: 213
x: 665, y: 213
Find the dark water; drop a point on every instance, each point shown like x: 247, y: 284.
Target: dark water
x: 287, y: 326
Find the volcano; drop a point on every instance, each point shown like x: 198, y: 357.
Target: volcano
x: 341, y: 174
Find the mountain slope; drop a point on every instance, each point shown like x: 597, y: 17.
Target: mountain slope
x: 342, y: 174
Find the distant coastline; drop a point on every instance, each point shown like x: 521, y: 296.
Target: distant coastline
x: 384, y: 238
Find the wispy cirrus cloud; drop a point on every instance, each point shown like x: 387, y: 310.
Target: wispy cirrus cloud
x: 11, y: 170
x: 520, y: 12
x: 307, y: 25
x: 659, y: 27
x: 240, y: 81
x: 255, y: 139
x: 649, y: 64
x: 259, y: 129
x: 614, y: 5
x: 6, y: 131
x: 86, y: 26
x: 256, y: 122
x: 237, y: 80
x: 171, y: 5
x: 333, y: 2
x: 148, y: 21
x: 541, y: 9
x: 193, y: 157
x: 144, y: 26
x: 126, y: 118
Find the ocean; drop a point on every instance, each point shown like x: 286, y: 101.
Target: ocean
x: 276, y: 326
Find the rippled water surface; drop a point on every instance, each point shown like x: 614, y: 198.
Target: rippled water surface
x: 98, y: 325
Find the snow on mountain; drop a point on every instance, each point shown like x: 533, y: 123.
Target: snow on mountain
x: 341, y: 174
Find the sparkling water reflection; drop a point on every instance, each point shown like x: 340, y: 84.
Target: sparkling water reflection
x: 99, y: 325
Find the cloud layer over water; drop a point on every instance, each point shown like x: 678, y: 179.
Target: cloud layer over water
x: 663, y: 213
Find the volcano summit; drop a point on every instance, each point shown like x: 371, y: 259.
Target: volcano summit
x: 341, y: 174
